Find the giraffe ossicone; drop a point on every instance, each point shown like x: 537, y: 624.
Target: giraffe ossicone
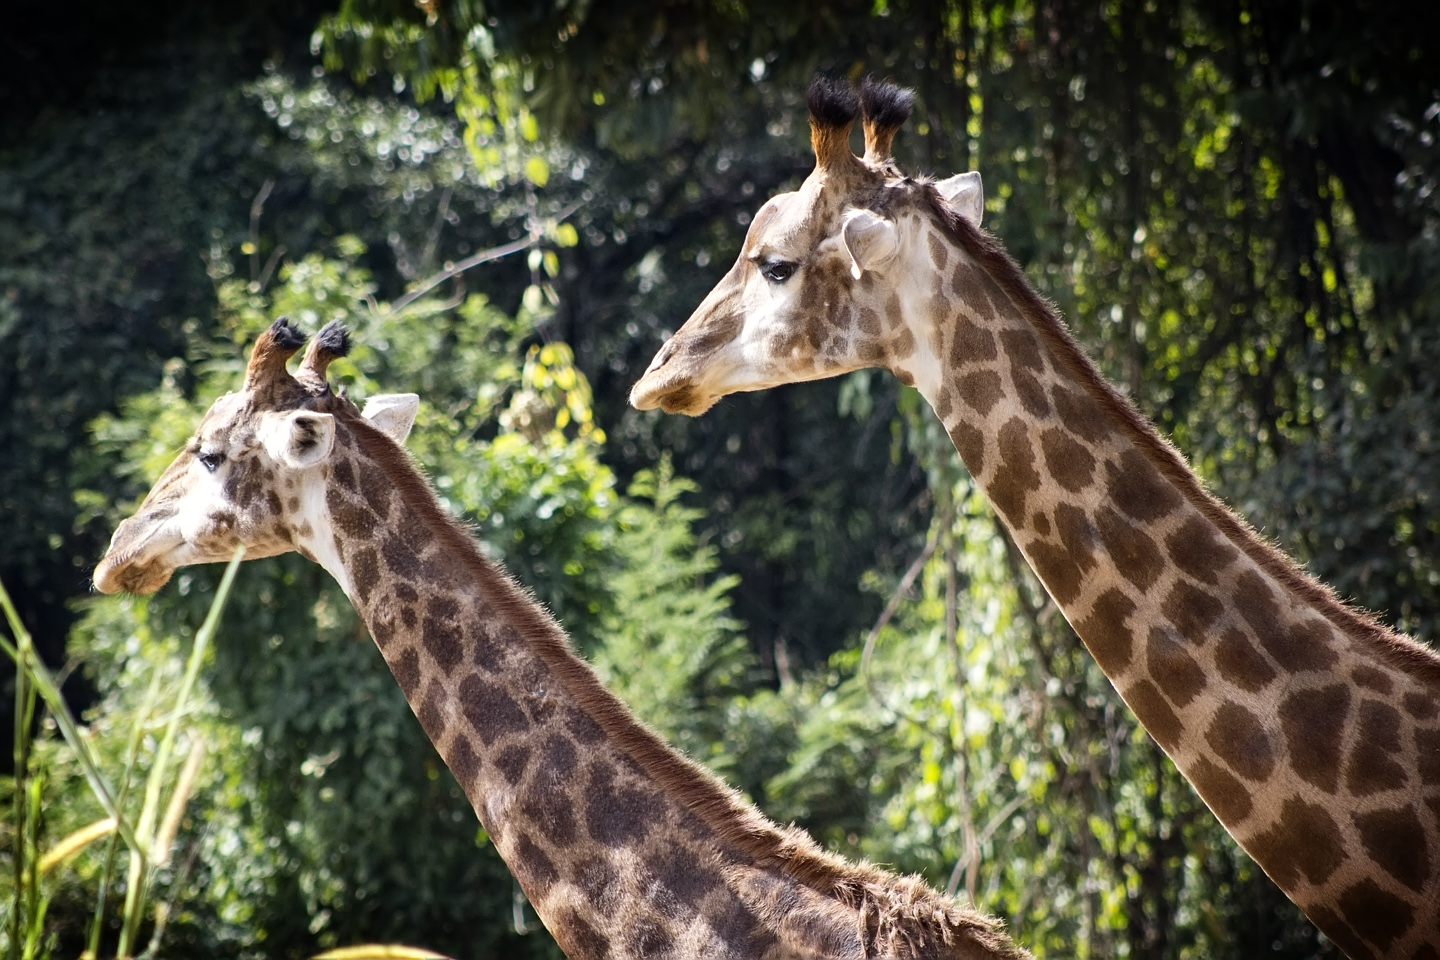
x: 1310, y: 730
x: 624, y: 847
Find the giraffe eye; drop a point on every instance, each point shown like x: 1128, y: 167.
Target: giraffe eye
x: 211, y: 461
x: 777, y: 271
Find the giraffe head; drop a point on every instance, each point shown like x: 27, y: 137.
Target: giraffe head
x: 820, y: 283
x: 254, y: 472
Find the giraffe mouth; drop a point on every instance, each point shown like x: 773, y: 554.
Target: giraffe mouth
x: 137, y: 561
x: 672, y: 397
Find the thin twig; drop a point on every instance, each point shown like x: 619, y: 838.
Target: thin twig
x: 890, y: 608
x: 428, y: 255
x: 970, y: 848
x: 256, y: 207
x: 275, y: 256
x: 484, y: 256
x: 895, y: 598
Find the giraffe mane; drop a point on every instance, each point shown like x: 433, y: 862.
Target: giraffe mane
x: 900, y: 908
x: 1400, y: 650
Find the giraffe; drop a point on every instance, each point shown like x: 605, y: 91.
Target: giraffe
x: 624, y: 847
x: 1311, y: 731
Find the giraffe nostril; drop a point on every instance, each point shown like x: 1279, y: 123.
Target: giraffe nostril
x: 663, y: 357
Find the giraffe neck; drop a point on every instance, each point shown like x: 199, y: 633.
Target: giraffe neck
x: 623, y: 847
x: 1312, y: 732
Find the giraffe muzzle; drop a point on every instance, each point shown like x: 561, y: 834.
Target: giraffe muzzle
x: 135, y: 561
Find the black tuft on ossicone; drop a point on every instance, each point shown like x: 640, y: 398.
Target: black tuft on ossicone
x: 832, y: 101
x: 886, y: 105
x: 286, y: 335
x: 334, y: 339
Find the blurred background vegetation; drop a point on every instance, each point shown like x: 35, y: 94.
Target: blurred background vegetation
x: 1233, y: 203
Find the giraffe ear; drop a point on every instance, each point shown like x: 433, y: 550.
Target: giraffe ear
x: 870, y: 241
x: 393, y: 414
x: 962, y: 193
x: 299, y: 439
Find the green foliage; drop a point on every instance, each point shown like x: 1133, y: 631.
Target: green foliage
x: 671, y: 649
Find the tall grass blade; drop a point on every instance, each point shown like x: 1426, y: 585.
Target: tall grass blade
x: 138, y: 887
x: 29, y: 665
x: 72, y: 844
x: 132, y: 756
x: 24, y: 716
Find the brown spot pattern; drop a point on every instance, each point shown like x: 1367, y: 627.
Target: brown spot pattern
x: 1313, y: 722
x: 492, y: 712
x: 577, y: 937
x: 1372, y: 767
x: 970, y: 444
x: 1192, y: 611
x: 971, y: 344
x: 969, y: 285
x: 512, y: 762
x: 1372, y: 679
x: 1015, y: 477
x: 1023, y: 349
x: 1304, y: 841
x: 1338, y: 930
x: 1031, y: 394
x: 1227, y: 796
x: 431, y: 712
x: 1427, y: 748
x: 1105, y: 633
x: 1155, y: 713
x: 981, y: 390
x: 1137, y: 488
x: 1421, y: 706
x: 364, y: 574
x: 939, y: 256
x: 1375, y: 914
x: 547, y: 805
x: 1238, y: 737
x: 618, y: 813
x: 1135, y: 555
x: 463, y: 762
x: 1171, y: 667
x: 400, y: 559
x: 406, y: 668
x: 1198, y: 549
x: 1395, y: 840
x: 1241, y: 664
x: 1068, y: 462
x: 1296, y: 649
x: 1080, y: 414
x: 1058, y: 569
x: 442, y: 635
x: 533, y: 868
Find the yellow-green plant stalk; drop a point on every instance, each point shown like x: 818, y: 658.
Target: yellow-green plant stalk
x: 138, y: 886
x: 73, y: 843
x: 379, y: 951
x: 112, y: 849
x: 28, y: 665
